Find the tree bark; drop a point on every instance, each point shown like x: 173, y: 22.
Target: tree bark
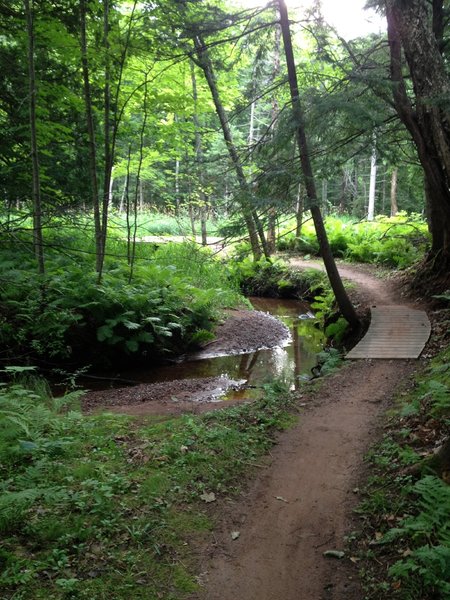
x: 272, y: 221
x: 91, y: 137
x: 36, y: 183
x: 340, y: 293
x: 205, y: 64
x: 394, y: 181
x: 372, y: 183
x: 199, y: 158
x: 414, y: 25
x: 299, y: 211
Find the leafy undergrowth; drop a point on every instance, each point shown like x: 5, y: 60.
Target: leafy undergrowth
x: 169, y: 301
x: 105, y: 507
x: 391, y: 241
x: 276, y: 279
x: 404, y: 545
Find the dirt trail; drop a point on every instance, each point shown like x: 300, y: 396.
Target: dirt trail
x: 301, y: 504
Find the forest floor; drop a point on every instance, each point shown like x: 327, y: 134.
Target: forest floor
x: 270, y: 541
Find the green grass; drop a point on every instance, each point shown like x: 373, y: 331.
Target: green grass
x: 103, y: 506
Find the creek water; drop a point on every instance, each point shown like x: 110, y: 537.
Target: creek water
x: 290, y: 362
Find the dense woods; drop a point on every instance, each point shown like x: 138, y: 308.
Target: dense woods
x: 180, y: 106
x: 155, y: 157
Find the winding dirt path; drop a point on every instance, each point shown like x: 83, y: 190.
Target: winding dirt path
x: 300, y: 505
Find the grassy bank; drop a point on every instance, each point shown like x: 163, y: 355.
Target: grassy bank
x: 104, y: 506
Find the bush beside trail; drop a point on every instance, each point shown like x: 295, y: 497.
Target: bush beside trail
x: 391, y: 241
x: 171, y: 302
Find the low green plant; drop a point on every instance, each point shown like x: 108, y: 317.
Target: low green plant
x: 426, y: 568
x: 176, y: 292
x: 100, y: 506
x: 392, y: 241
x: 276, y: 279
x: 412, y: 518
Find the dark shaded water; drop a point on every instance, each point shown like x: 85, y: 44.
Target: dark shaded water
x: 290, y: 363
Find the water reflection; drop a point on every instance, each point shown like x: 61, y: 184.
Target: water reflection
x: 289, y: 363
x: 296, y: 359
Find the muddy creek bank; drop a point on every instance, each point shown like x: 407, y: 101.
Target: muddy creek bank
x: 277, y: 340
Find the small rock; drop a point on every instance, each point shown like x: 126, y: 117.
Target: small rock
x: 334, y: 554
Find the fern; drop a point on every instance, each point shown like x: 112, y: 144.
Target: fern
x: 429, y: 563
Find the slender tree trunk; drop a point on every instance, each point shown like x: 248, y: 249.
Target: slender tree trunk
x: 203, y: 223
x: 394, y: 204
x: 192, y: 220
x: 110, y: 191
x: 372, y: 184
x: 108, y: 157
x: 199, y: 158
x: 36, y: 184
x: 177, y: 186
x: 271, y: 229
x: 205, y: 64
x: 340, y: 293
x: 127, y: 205
x: 138, y: 188
x: 141, y: 195
x: 91, y: 136
x: 299, y: 212
x: 324, y: 196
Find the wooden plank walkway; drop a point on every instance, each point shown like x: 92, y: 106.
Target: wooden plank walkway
x: 394, y: 332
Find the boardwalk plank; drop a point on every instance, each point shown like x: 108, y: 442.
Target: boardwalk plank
x: 394, y: 332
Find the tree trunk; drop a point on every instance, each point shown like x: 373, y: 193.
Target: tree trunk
x: 394, y: 181
x: 36, y: 184
x: 340, y: 293
x: 414, y: 27
x: 138, y: 187
x: 271, y: 229
x: 91, y: 136
x: 108, y: 156
x: 299, y: 212
x: 205, y: 64
x: 372, y: 184
x: 199, y: 158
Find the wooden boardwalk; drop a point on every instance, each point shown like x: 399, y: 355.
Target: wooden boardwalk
x: 394, y: 332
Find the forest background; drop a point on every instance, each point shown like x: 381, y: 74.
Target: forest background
x: 118, y: 115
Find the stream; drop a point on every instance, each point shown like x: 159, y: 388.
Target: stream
x: 290, y: 362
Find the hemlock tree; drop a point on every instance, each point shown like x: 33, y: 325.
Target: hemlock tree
x: 416, y: 32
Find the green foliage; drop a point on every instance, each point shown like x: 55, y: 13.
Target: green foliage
x: 337, y: 330
x: 176, y: 290
x: 329, y: 361
x: 413, y: 516
x: 392, y: 241
x: 92, y: 507
x: 276, y: 279
x: 427, y: 567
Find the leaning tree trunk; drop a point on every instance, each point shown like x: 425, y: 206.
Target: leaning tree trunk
x: 204, y: 63
x: 199, y: 158
x: 36, y: 184
x: 340, y: 293
x: 412, y: 26
x: 275, y: 113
